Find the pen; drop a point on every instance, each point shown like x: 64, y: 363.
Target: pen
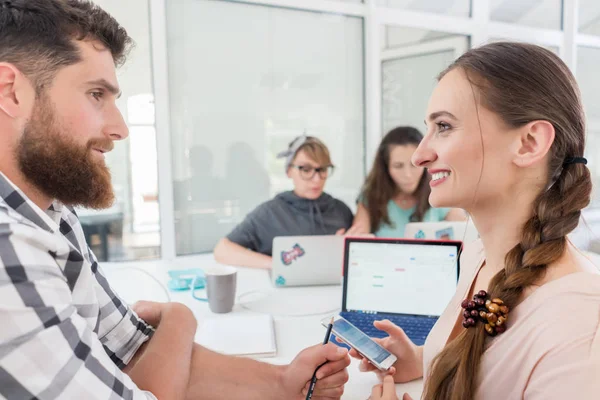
x: 313, y: 381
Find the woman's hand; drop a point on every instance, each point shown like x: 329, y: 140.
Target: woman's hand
x: 357, y: 229
x: 387, y: 391
x: 409, y: 365
x: 354, y: 231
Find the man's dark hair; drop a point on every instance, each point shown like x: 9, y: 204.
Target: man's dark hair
x: 38, y: 36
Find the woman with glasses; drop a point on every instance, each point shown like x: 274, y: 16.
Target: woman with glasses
x: 396, y: 192
x: 306, y: 210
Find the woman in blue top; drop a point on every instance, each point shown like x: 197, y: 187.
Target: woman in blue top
x: 396, y: 192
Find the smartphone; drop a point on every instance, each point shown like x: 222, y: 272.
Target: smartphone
x: 363, y: 344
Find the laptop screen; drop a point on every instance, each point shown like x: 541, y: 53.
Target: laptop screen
x: 399, y: 276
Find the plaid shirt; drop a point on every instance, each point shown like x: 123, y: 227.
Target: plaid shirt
x: 64, y: 334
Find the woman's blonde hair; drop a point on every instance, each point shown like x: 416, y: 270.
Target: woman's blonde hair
x: 315, y: 150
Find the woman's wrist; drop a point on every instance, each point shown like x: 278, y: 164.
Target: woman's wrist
x: 411, y: 368
x: 419, y: 357
x: 268, y: 262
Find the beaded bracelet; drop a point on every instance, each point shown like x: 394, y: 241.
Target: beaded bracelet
x: 493, y: 313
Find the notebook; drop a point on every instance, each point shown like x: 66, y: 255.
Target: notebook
x: 240, y: 335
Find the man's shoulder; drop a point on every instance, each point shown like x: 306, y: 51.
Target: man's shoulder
x: 26, y: 237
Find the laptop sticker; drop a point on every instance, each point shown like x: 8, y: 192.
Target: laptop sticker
x: 420, y: 235
x: 280, y: 281
x: 287, y: 257
x: 445, y: 234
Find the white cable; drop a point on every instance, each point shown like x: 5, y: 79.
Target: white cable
x: 162, y: 286
x: 239, y: 298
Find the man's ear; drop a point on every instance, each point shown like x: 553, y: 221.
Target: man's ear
x: 533, y: 143
x: 13, y: 88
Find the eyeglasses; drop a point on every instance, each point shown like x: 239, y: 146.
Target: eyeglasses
x: 307, y: 172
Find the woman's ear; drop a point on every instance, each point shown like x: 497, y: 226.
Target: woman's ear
x: 533, y: 143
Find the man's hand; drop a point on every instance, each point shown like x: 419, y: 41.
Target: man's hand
x: 332, y: 376
x: 162, y: 365
x: 152, y: 312
x: 149, y: 311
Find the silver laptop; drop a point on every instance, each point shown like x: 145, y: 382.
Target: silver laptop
x: 444, y: 230
x: 307, y: 260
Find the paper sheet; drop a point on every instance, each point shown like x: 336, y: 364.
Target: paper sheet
x: 247, y: 335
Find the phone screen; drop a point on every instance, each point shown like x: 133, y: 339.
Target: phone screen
x: 360, y: 341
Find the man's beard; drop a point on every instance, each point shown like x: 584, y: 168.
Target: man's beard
x: 59, y: 167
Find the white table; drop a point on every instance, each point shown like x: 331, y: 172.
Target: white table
x: 293, y: 332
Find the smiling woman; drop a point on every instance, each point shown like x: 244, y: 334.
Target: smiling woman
x: 517, y: 159
x: 508, y: 141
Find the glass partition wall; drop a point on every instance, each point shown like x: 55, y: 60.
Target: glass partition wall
x: 215, y: 89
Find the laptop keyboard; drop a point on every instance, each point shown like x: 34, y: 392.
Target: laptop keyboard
x: 416, y: 328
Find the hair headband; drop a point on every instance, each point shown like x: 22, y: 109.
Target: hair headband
x: 291, y: 151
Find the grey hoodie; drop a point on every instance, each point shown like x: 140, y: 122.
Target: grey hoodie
x: 290, y: 215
